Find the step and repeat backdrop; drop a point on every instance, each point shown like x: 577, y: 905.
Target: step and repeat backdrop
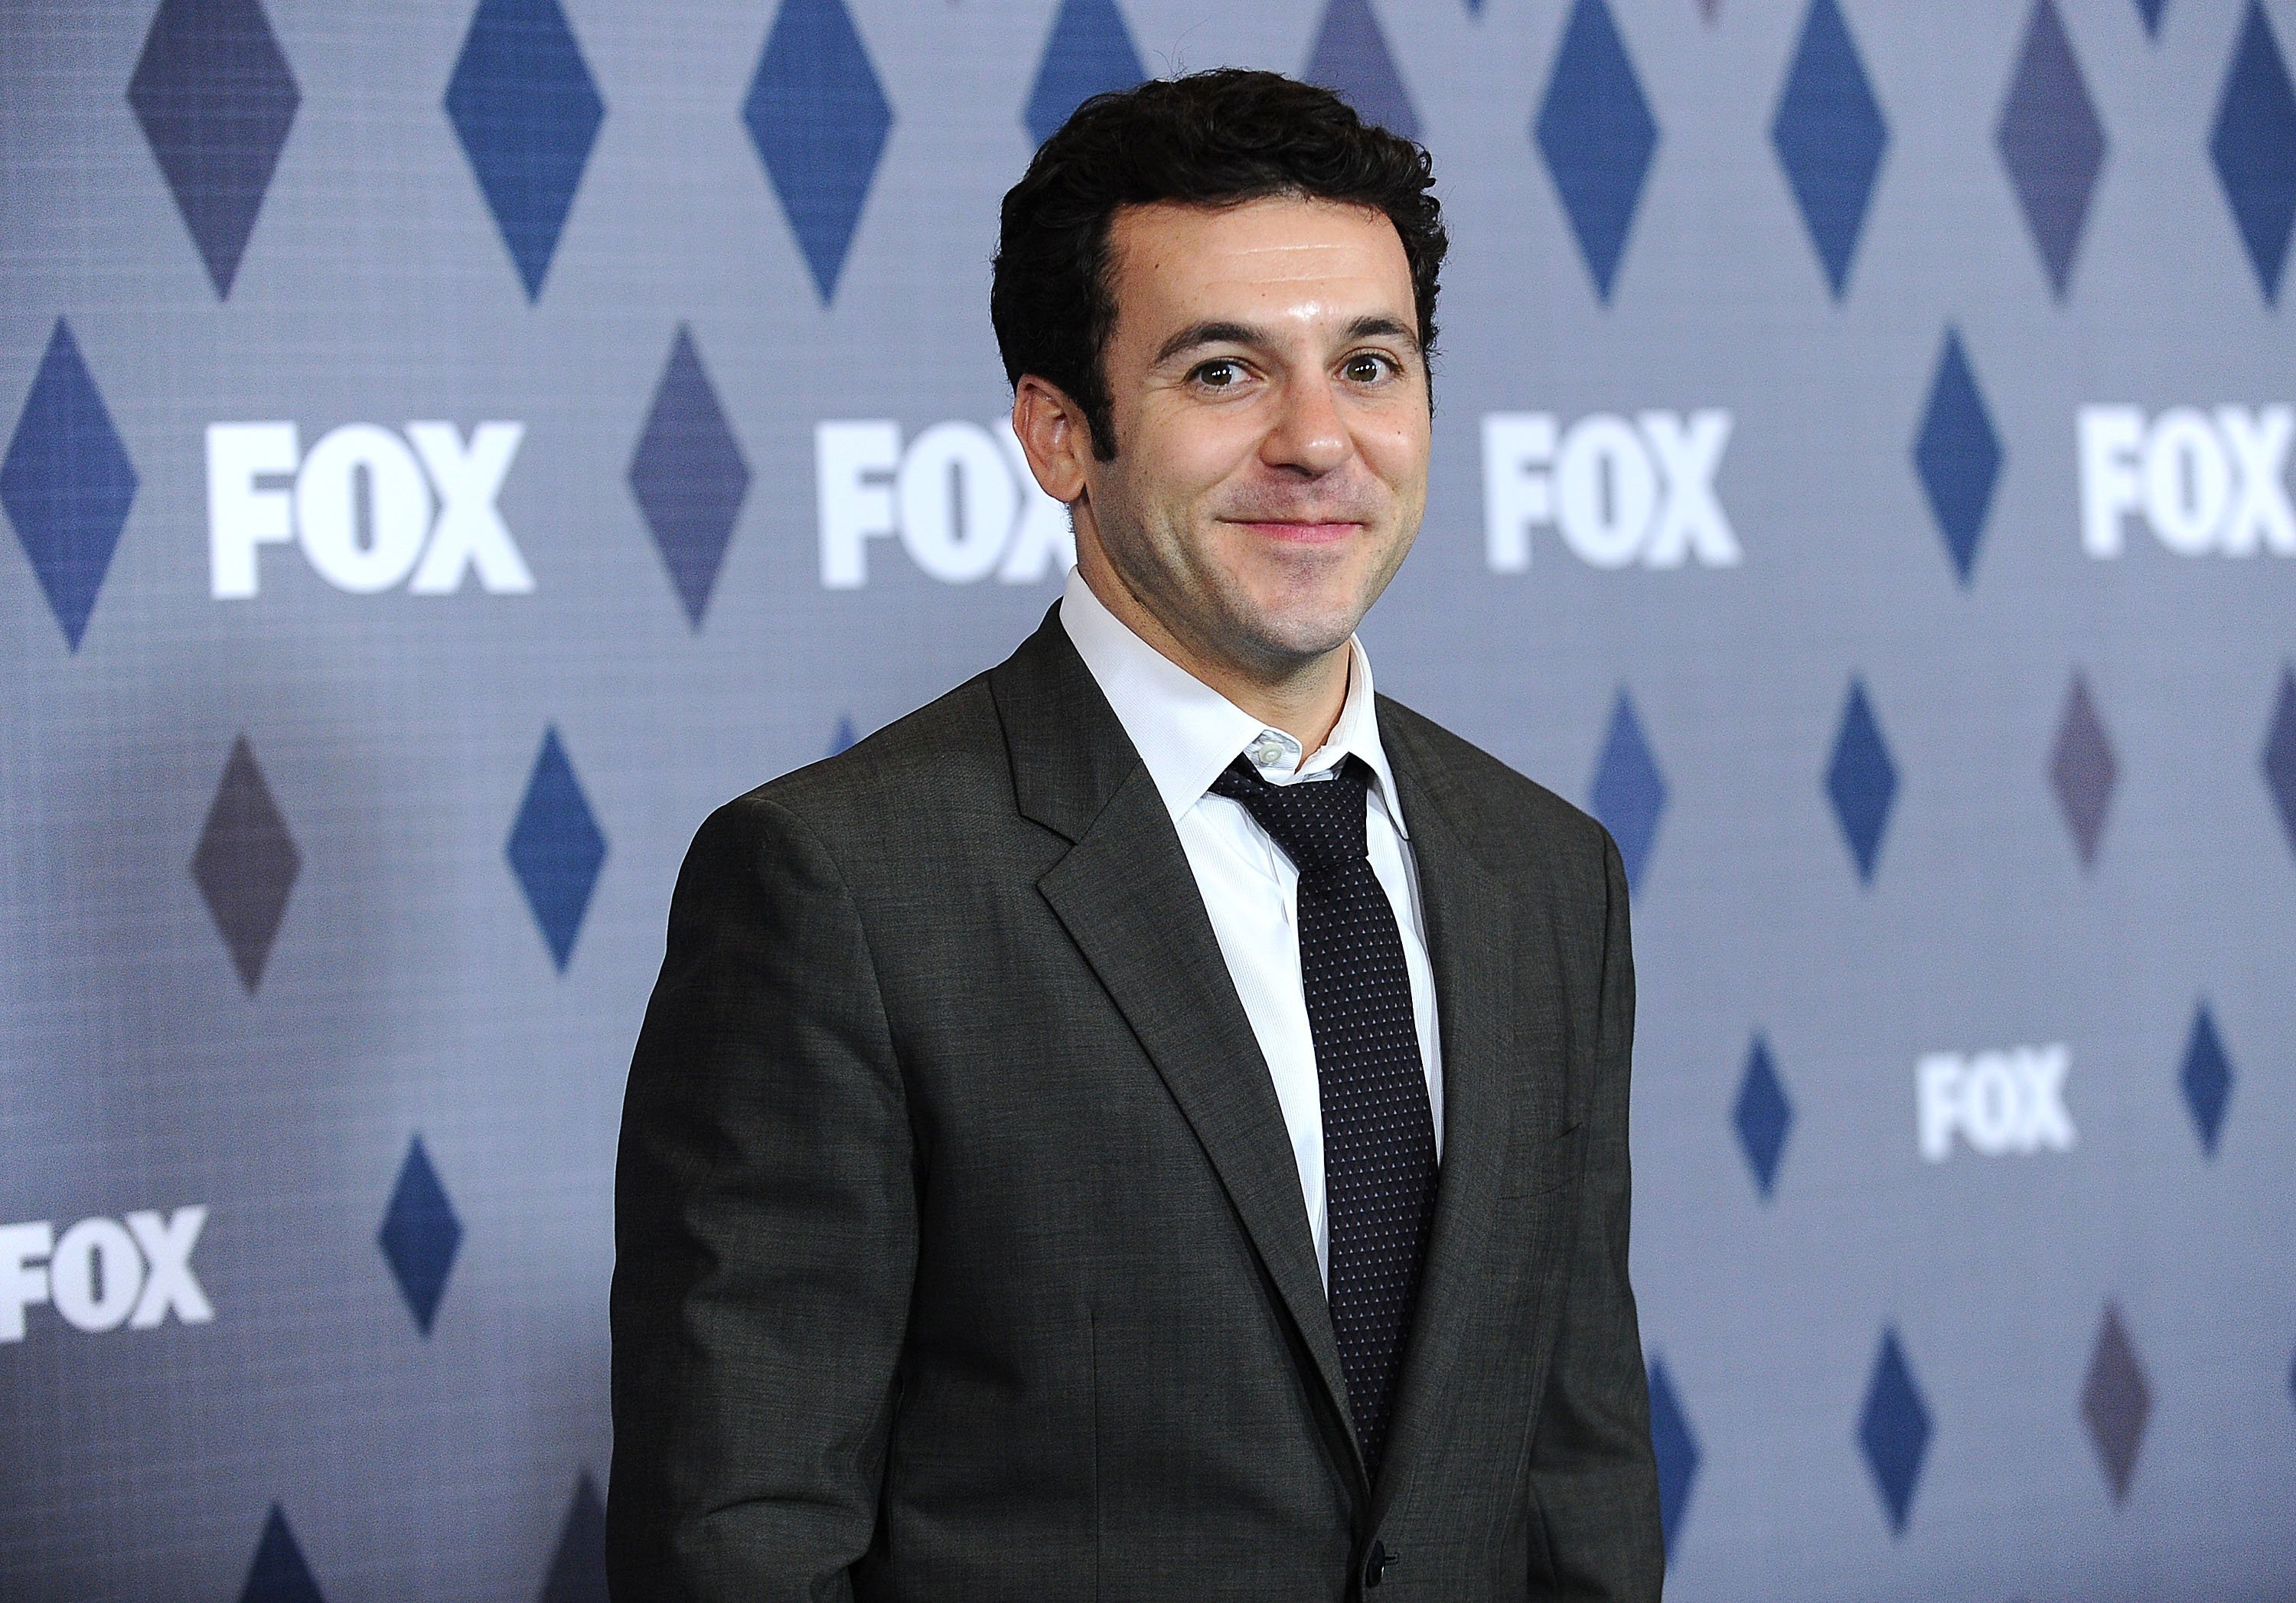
x: 449, y: 448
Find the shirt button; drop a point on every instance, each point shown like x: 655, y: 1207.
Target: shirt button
x: 1266, y: 752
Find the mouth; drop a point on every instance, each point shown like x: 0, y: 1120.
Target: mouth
x: 1298, y: 531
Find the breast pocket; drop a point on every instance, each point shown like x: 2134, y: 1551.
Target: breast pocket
x: 1543, y: 1164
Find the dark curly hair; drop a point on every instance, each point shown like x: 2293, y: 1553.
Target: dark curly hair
x: 1216, y: 138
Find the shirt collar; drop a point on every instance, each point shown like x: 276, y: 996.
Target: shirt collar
x: 1186, y: 731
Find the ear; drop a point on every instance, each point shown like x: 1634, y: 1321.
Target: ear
x: 1054, y: 434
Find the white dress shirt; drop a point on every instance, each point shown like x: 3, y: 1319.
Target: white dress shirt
x: 1185, y: 733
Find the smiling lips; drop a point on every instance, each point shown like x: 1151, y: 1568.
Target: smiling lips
x: 1299, y: 531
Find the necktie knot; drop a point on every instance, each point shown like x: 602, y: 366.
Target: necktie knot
x: 1319, y: 823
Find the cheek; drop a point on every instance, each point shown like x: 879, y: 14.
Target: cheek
x: 1397, y: 455
x: 1183, y: 465
x: 1215, y: 444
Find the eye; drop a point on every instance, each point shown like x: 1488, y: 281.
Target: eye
x: 1222, y: 373
x: 1370, y: 366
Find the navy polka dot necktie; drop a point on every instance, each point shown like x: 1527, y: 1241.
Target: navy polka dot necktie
x: 1379, y: 1131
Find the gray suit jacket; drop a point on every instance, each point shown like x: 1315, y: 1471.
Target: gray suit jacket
x: 961, y: 1251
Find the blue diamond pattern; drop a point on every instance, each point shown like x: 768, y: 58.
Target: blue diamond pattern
x: 524, y: 105
x: 1894, y: 1431
x: 1958, y: 455
x: 1595, y: 131
x: 1351, y: 58
x: 556, y: 849
x: 2083, y: 770
x: 2206, y: 1080
x: 246, y: 864
x: 1861, y: 781
x: 1676, y: 1451
x: 1763, y: 1116
x: 420, y: 1236
x: 1830, y: 138
x: 278, y: 1573
x: 1090, y: 53
x: 1629, y: 792
x: 67, y: 484
x: 2279, y: 760
x: 688, y: 477
x: 2116, y: 1402
x: 214, y: 98
x: 2254, y: 148
x: 578, y: 1569
x: 2051, y: 143
x: 820, y: 119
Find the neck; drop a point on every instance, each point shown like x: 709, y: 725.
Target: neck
x: 1304, y: 701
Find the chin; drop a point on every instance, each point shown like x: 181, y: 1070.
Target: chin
x: 1299, y: 636
x: 1305, y: 621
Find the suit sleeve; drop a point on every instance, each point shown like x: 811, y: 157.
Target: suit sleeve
x: 1594, y: 1482
x: 765, y: 1234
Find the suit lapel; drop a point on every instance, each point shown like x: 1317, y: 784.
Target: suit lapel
x: 1473, y: 940
x: 1126, y: 895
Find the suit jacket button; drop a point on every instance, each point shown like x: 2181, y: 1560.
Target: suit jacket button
x: 1375, y: 1563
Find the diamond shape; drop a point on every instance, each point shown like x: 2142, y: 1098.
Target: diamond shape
x: 556, y: 849
x: 1894, y: 1431
x: 1958, y: 455
x: 2279, y: 758
x: 2115, y: 1402
x: 1676, y: 1449
x: 245, y: 864
x: 1830, y: 138
x: 2206, y: 1079
x: 1629, y: 792
x: 578, y: 1569
x: 688, y: 476
x: 1861, y: 780
x: 66, y: 484
x: 420, y: 1236
x: 2083, y: 771
x: 214, y: 98
x: 1595, y: 131
x: 1351, y: 59
x: 527, y: 111
x: 1090, y: 53
x: 278, y: 1573
x: 820, y: 119
x: 2150, y: 10
x: 2254, y: 148
x: 2051, y: 143
x: 1763, y: 1116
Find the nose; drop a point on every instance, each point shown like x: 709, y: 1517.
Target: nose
x: 1308, y: 436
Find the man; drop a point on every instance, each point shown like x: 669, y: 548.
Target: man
x: 1152, y: 1124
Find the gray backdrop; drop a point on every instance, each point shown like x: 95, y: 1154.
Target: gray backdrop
x: 332, y: 909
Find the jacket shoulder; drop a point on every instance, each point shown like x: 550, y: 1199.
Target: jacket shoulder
x: 1503, y: 814
x: 939, y: 768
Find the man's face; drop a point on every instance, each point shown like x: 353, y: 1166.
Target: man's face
x: 1270, y: 404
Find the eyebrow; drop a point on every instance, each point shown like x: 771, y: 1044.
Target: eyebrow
x: 1209, y: 334
x: 1380, y: 327
x: 1376, y: 326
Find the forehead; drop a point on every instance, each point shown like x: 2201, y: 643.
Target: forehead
x: 1283, y: 254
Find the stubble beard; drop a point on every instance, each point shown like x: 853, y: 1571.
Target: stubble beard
x: 1212, y: 611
